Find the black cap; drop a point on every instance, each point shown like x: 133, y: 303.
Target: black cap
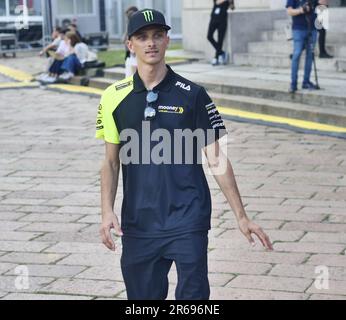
x: 145, y: 18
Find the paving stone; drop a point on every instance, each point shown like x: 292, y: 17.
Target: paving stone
x: 23, y: 246
x: 340, y: 204
x: 85, y: 287
x: 314, y: 226
x: 51, y: 217
x: 10, y: 284
x: 265, y: 224
x: 91, y: 237
x: 23, y: 201
x: 53, y: 271
x: 310, y: 247
x: 80, y: 210
x: 307, y: 271
x: 282, y: 215
x: 327, y: 260
x: 28, y: 296
x: 37, y: 209
x: 270, y: 283
x: 337, y: 218
x: 52, y: 227
x: 255, y: 256
x: 326, y: 297
x: 324, y: 237
x: 11, y: 225
x: 110, y: 273
x: 238, y: 267
x: 96, y: 259
x: 75, y: 247
x: 323, y: 210
x: 335, y: 287
x: 227, y: 293
x: 11, y: 216
x: 29, y: 257
x: 4, y: 267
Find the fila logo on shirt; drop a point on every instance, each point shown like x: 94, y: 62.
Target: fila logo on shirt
x: 183, y: 86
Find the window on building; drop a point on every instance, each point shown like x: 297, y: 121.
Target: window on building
x: 160, y: 5
x: 72, y: 7
x: 14, y: 7
x: 2, y: 7
x: 65, y: 7
x: 84, y: 6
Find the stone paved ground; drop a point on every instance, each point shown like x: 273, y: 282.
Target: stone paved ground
x: 293, y: 184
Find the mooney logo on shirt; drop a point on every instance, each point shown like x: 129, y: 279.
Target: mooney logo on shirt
x: 171, y: 109
x: 148, y: 15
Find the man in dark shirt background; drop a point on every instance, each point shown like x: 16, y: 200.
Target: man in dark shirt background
x: 218, y: 22
x: 304, y: 37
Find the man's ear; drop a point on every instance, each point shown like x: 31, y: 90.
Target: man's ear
x: 130, y: 46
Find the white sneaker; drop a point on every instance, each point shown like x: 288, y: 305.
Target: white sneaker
x: 223, y: 58
x: 214, y: 62
x: 42, y: 76
x: 66, y: 76
x: 50, y: 79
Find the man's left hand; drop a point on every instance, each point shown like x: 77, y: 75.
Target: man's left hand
x: 247, y: 227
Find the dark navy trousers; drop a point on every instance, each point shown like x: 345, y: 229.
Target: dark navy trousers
x: 145, y: 264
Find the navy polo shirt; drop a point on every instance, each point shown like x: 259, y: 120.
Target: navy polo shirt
x: 300, y: 22
x: 219, y: 12
x: 161, y: 199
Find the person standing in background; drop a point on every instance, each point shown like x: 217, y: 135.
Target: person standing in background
x: 322, y: 37
x: 304, y: 37
x: 130, y: 58
x: 218, y: 22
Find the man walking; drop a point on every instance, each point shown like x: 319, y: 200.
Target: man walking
x: 304, y: 37
x: 166, y: 207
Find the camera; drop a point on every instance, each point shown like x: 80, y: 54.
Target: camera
x: 309, y: 6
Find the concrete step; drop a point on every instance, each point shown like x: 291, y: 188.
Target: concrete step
x: 116, y: 73
x: 332, y: 116
x: 101, y: 83
x: 281, y: 24
x: 265, y: 90
x: 284, y: 47
x: 273, y: 35
x: 280, y: 35
x: 283, y: 61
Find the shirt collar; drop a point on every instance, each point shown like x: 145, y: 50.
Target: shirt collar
x: 164, y: 85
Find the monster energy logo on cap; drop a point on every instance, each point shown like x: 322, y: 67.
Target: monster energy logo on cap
x: 148, y: 15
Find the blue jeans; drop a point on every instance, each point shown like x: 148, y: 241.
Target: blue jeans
x: 300, y: 38
x: 71, y: 64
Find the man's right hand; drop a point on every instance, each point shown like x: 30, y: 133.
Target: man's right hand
x: 109, y: 221
x: 306, y: 8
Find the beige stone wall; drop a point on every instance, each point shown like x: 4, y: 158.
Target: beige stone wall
x: 196, y: 16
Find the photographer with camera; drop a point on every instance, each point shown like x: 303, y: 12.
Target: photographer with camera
x: 304, y: 37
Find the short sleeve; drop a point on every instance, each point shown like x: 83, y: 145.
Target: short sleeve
x: 208, y: 118
x: 106, y: 128
x: 290, y: 3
